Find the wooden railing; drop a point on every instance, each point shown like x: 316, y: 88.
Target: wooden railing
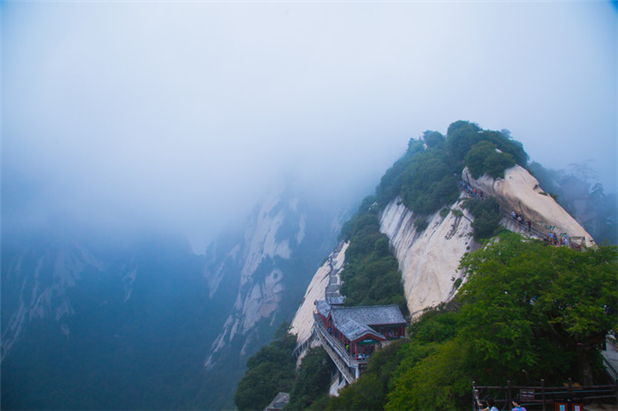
x: 611, y: 370
x: 538, y: 397
x: 300, y: 348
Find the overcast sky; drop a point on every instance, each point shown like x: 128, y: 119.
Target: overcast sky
x: 184, y: 113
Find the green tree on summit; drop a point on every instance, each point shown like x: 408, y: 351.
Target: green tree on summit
x: 429, y: 183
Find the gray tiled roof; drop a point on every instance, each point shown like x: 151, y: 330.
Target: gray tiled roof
x: 323, y: 307
x: 368, y: 315
x: 339, y: 300
x: 354, y: 330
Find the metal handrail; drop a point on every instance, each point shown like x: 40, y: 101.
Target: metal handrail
x: 532, y: 230
x: 336, y: 345
x: 613, y: 373
x: 300, y: 348
x: 334, y: 356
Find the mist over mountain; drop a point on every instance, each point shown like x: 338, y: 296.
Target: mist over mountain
x: 89, y: 325
x: 144, y: 322
x: 183, y: 115
x: 173, y: 173
x: 451, y: 204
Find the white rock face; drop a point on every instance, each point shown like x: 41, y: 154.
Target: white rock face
x: 214, y: 277
x: 428, y: 260
x: 303, y: 319
x: 38, y: 299
x: 258, y: 298
x: 520, y: 192
x: 261, y: 239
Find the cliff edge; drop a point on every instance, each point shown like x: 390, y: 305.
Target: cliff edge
x: 429, y: 259
x: 519, y: 191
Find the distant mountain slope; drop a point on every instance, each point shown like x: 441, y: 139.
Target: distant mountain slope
x: 272, y: 261
x: 92, y: 323
x: 102, y: 327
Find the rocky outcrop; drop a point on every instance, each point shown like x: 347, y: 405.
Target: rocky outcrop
x: 428, y: 260
x: 264, y: 262
x: 327, y: 275
x: 520, y: 192
x: 41, y: 289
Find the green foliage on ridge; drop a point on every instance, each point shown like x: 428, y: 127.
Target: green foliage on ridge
x: 483, y: 158
x: 371, y: 275
x: 271, y: 370
x: 429, y: 183
x: 487, y: 217
x: 426, y: 176
x: 463, y: 135
x: 528, y: 312
x: 422, y: 177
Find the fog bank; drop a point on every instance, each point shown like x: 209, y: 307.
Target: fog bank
x: 182, y: 115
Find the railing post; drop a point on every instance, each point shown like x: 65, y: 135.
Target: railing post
x: 508, y: 393
x: 543, y: 392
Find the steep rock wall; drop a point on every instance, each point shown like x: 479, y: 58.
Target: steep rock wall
x: 265, y: 270
x: 41, y: 283
x: 326, y: 274
x: 428, y: 260
x: 258, y: 295
x: 520, y: 192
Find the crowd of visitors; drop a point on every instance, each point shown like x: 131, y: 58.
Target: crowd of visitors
x: 475, y: 192
x: 521, y: 220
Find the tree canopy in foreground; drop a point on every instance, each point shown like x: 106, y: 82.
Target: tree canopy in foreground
x: 527, y: 312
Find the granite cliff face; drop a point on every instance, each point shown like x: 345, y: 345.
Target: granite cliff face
x: 520, y: 192
x: 41, y: 282
x: 271, y: 263
x: 327, y: 275
x: 260, y: 278
x: 429, y: 259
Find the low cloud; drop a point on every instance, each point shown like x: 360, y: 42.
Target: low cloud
x: 184, y: 114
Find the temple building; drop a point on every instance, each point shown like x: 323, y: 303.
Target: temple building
x: 356, y: 332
